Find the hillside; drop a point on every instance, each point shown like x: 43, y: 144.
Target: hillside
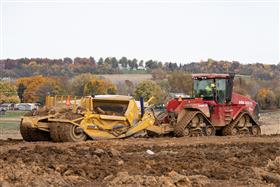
x: 67, y: 67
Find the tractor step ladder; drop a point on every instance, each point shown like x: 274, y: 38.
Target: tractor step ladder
x: 228, y: 115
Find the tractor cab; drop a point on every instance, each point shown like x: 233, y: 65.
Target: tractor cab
x: 213, y: 87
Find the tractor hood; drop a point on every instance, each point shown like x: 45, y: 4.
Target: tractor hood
x: 243, y: 100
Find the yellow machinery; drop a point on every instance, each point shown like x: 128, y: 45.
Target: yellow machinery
x: 65, y: 119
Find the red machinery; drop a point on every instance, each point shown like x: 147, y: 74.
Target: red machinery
x: 213, y: 107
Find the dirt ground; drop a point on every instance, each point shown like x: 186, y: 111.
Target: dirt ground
x: 166, y: 161
x: 196, y: 161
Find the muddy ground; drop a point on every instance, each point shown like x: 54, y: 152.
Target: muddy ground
x: 195, y: 161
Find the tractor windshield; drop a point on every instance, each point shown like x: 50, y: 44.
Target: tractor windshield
x: 221, y: 90
x: 210, y: 89
x: 203, y: 89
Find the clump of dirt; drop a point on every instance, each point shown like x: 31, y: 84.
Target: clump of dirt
x: 173, y: 179
x: 271, y: 172
x: 32, y: 174
x: 59, y: 112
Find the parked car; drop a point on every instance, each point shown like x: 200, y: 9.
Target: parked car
x: 27, y: 106
x: 7, y: 106
x: 2, y: 111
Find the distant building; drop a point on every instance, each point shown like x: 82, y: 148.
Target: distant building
x: 123, y: 68
x: 141, y: 68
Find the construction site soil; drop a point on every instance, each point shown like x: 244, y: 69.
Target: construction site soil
x: 164, y: 161
x: 195, y: 161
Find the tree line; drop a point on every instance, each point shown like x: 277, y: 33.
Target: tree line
x: 36, y: 88
x: 68, y: 67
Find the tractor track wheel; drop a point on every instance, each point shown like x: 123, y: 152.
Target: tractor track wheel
x: 30, y: 134
x: 255, y: 130
x: 180, y: 128
x: 229, y: 131
x: 70, y: 133
x: 209, y: 130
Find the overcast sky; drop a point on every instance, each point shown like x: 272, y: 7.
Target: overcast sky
x: 160, y: 30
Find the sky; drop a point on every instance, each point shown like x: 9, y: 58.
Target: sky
x: 168, y: 31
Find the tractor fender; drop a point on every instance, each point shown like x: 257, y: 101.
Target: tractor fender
x: 240, y: 110
x: 242, y: 113
x: 183, y: 112
x: 202, y: 107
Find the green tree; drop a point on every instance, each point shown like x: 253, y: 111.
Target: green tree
x: 123, y: 61
x: 151, y: 64
x: 78, y: 83
x: 141, y: 63
x: 100, y: 62
x: 115, y: 63
x: 20, y: 90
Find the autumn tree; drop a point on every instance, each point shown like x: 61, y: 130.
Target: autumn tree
x: 48, y: 88
x: 98, y: 86
x: 149, y: 88
x: 159, y: 74
x: 38, y: 87
x: 277, y: 94
x: 180, y: 82
x: 125, y: 88
x: 266, y: 98
x: 8, y: 93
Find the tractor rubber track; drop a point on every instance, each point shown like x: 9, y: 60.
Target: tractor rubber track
x: 181, y: 125
x: 63, y: 132
x: 30, y: 134
x: 227, y: 130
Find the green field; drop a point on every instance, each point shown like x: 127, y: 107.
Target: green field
x: 9, y: 125
x: 11, y: 120
x: 13, y: 114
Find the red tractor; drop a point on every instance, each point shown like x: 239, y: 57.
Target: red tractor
x: 213, y: 109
